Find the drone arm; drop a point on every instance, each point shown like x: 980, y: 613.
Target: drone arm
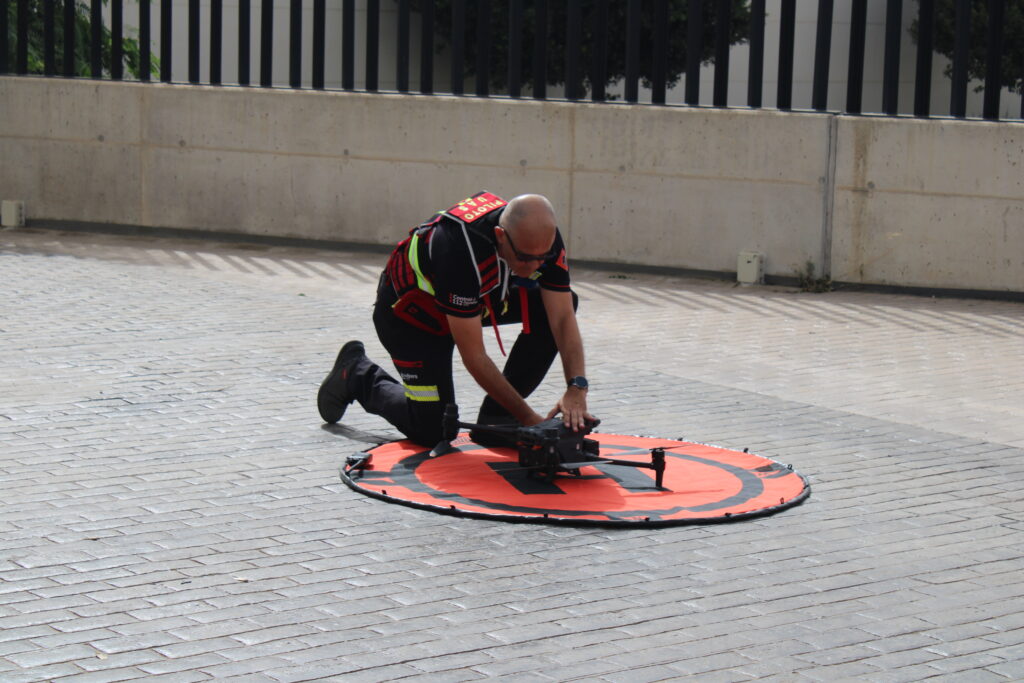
x: 491, y: 429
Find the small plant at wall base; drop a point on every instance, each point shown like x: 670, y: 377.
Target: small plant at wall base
x: 1012, y: 66
x: 83, y: 39
x: 808, y: 283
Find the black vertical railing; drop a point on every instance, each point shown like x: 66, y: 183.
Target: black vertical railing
x: 822, y: 55
x: 295, y: 45
x: 267, y: 43
x: 244, y: 42
x: 646, y: 46
x: 756, y: 67
x: 166, y: 15
x: 632, y: 50
x: 923, y: 69
x: 95, y: 39
x: 723, y: 29
x: 372, y: 44
x: 427, y: 47
x: 319, y: 43
x: 216, y: 40
x: 891, y: 67
x: 483, y: 49
x: 694, y: 48
x: 145, y: 55
x: 116, y: 39
x: 993, y: 59
x: 784, y: 97
x: 515, y: 48
x: 599, y: 56
x: 402, y: 49
x: 193, y: 41
x: 573, y: 43
x: 659, y: 69
x: 540, y: 50
x: 961, y: 43
x: 21, y: 58
x: 458, y: 71
x: 855, y: 69
x: 5, y: 28
x: 49, y: 39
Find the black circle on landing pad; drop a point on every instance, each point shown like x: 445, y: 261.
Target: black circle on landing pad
x: 703, y: 484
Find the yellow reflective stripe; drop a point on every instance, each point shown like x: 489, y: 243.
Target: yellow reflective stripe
x: 414, y: 260
x: 425, y: 393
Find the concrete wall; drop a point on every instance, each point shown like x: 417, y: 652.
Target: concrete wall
x: 882, y: 201
x: 929, y: 203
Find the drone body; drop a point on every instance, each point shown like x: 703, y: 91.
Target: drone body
x: 549, y: 448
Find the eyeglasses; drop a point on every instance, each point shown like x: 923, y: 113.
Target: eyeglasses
x: 524, y: 257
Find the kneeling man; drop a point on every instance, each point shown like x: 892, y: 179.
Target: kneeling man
x: 483, y: 262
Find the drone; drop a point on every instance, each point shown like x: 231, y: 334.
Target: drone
x: 548, y: 449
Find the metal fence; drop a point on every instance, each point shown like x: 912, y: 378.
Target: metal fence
x: 16, y: 37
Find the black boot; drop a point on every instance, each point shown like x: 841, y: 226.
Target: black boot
x: 335, y: 394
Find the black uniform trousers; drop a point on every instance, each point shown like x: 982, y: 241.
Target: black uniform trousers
x: 415, y: 405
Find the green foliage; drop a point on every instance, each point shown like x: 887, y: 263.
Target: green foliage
x: 1012, y: 67
x: 83, y: 39
x: 616, y: 48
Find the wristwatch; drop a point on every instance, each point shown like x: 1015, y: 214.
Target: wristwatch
x: 580, y: 382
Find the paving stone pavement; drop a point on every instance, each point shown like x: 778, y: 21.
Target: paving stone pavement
x: 172, y: 509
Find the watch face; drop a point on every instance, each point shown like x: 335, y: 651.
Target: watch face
x: 579, y: 382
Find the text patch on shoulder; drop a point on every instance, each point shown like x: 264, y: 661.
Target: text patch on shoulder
x: 480, y: 204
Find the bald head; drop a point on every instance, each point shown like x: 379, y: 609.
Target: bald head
x: 526, y: 233
x: 530, y: 218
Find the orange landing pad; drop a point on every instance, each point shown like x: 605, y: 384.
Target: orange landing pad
x: 702, y: 484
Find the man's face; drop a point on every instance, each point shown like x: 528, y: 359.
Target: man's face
x: 523, y: 254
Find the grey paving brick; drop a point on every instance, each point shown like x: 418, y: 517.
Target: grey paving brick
x: 182, y: 665
x: 449, y: 662
x: 39, y: 673
x: 40, y: 657
x: 725, y: 661
x: 245, y: 667
x: 905, y: 674
x: 106, y: 676
x: 451, y: 676
x: 197, y: 647
x: 983, y: 676
x: 180, y: 677
x: 1013, y: 670
x: 26, y: 632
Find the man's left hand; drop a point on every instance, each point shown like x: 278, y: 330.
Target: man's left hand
x: 573, y: 407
